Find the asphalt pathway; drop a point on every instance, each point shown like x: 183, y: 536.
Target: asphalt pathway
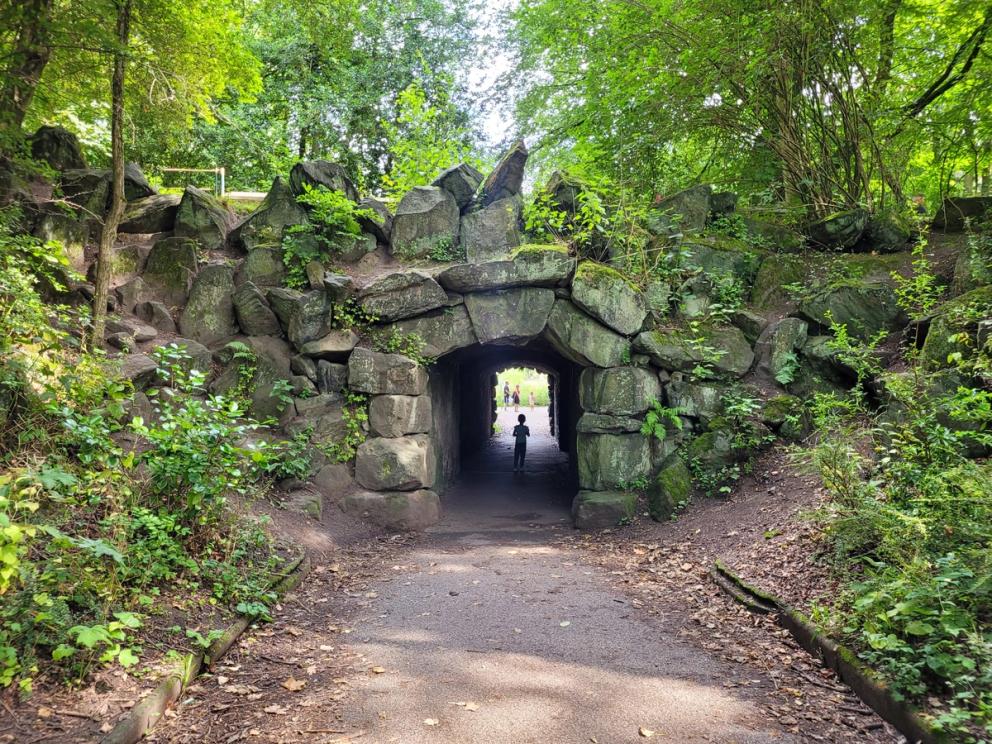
x: 496, y: 636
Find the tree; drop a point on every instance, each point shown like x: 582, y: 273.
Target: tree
x: 108, y: 231
x: 825, y: 101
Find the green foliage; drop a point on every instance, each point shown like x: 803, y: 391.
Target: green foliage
x: 426, y: 138
x: 919, y: 294
x: 408, y: 344
x: 659, y: 420
x: 333, y: 225
x: 355, y: 415
x: 909, y: 527
x: 787, y: 374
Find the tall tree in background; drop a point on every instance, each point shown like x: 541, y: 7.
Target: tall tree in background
x: 27, y: 39
x: 108, y: 231
x: 834, y: 100
x: 332, y: 73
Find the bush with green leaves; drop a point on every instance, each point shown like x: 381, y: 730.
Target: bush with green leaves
x: 332, y: 227
x: 909, y: 526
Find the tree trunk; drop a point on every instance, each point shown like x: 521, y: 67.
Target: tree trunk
x: 104, y: 261
x: 32, y: 49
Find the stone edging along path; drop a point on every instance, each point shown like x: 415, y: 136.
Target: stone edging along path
x: 863, y: 681
x: 146, y: 713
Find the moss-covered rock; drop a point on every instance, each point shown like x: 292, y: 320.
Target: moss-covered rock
x: 527, y: 266
x: 954, y: 330
x: 595, y: 510
x: 209, y: 314
x: 609, y: 461
x: 621, y: 391
x: 670, y: 489
x: 786, y: 415
x: 609, y: 296
x: 426, y: 220
x: 839, y: 230
x: 203, y: 218
x: 721, y: 349
x: 509, y: 315
x: 774, y: 274
x: 865, y: 307
x: 583, y: 340
x: 721, y: 255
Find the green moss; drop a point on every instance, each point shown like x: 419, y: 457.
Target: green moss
x: 777, y: 409
x: 595, y: 273
x: 537, y: 248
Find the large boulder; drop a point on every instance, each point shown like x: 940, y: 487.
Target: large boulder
x: 202, y: 218
x: 398, y: 415
x: 152, y: 214
x: 441, y: 332
x: 136, y: 186
x: 71, y: 233
x: 723, y: 350
x: 527, y: 266
x: 774, y: 274
x: 564, y: 191
x: 596, y: 510
x: 608, y: 461
x: 865, y: 307
x: 670, y: 489
x: 304, y: 316
x: 58, y: 147
x: 621, y: 391
x: 509, y: 315
x: 401, y: 294
x: 336, y: 346
x: 170, y: 268
x: 87, y: 189
x: 395, y: 463
x: 322, y: 416
x: 491, y: 232
x: 265, y: 226
x: 140, y: 370
x: 426, y: 220
x: 610, y: 297
x: 956, y: 210
x: 583, y: 340
x: 507, y: 177
x: 263, y: 267
x: 315, y: 173
x: 778, y: 347
x: 839, y: 230
x: 720, y: 256
x: 695, y: 400
x: 402, y: 510
x: 773, y: 236
x: 605, y: 423
x: 209, y: 313
x: 330, y: 377
x: 461, y: 181
x: 886, y: 232
x: 686, y: 211
x: 156, y: 314
x: 253, y: 312
x: 385, y: 374
x: 955, y: 329
x: 380, y: 223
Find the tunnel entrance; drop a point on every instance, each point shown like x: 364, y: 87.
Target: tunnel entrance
x: 473, y: 430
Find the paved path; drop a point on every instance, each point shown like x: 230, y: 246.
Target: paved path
x: 500, y: 638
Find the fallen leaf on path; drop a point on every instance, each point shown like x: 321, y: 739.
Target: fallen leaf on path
x: 431, y: 722
x: 471, y: 706
x: 44, y: 712
x: 564, y: 623
x: 378, y: 670
x: 294, y: 685
x: 646, y: 733
x: 275, y: 710
x: 222, y: 680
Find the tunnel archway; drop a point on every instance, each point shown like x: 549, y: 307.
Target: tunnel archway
x: 462, y: 392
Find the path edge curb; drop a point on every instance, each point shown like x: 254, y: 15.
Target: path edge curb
x: 863, y: 681
x: 147, y: 712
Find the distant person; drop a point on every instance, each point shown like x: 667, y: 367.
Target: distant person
x: 506, y: 395
x: 516, y: 399
x: 520, y: 434
x: 533, y: 400
x: 920, y: 205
